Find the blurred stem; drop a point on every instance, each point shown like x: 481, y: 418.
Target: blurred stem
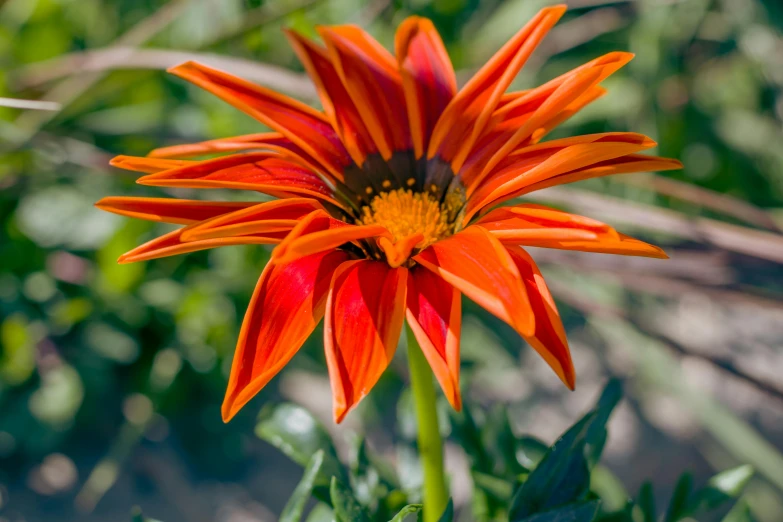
x: 430, y: 443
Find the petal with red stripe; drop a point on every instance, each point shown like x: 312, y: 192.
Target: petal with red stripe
x: 271, y: 216
x: 303, y: 125
x: 465, y: 118
x: 370, y: 75
x: 549, y: 338
x: 428, y: 78
x: 364, y: 315
x: 286, y: 306
x: 318, y: 232
x: 260, y: 171
x: 478, y: 265
x: 535, y: 225
x: 168, y: 210
x: 435, y: 315
x: 172, y: 244
x: 336, y: 100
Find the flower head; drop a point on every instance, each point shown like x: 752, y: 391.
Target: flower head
x: 389, y: 202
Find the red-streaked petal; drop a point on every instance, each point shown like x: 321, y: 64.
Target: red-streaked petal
x: 546, y: 160
x: 370, y: 75
x: 621, y: 245
x: 521, y: 216
x: 270, y: 216
x: 167, y: 210
x: 434, y: 314
x: 549, y: 339
x: 478, y: 265
x: 336, y: 100
x: 287, y: 304
x: 172, y: 244
x: 147, y: 165
x: 509, y: 225
x: 499, y: 134
x: 465, y: 117
x: 624, y: 165
x: 569, y: 91
x: 319, y: 232
x: 364, y: 315
x: 304, y: 126
x: 428, y: 78
x: 260, y: 171
x: 248, y: 142
x: 525, y: 117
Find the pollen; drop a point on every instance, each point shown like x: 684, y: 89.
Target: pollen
x: 404, y: 212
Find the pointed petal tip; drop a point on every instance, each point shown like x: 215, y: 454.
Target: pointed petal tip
x: 227, y: 410
x: 181, y: 67
x: 119, y: 161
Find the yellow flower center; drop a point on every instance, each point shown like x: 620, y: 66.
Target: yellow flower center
x: 404, y: 213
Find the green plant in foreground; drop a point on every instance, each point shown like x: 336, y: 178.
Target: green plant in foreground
x: 515, y: 478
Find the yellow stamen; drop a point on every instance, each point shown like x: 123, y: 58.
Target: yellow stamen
x: 404, y: 213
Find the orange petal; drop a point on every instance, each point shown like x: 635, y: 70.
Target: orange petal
x: 286, y: 306
x: 304, y: 126
x: 270, y: 216
x: 273, y: 141
x: 546, y: 160
x: 167, y: 210
x: 364, y: 314
x: 260, y: 171
x: 569, y: 91
x: 147, y: 165
x: 172, y: 244
x: 506, y: 223
x: 336, y: 100
x: 399, y: 252
x: 464, y: 119
x: 428, y: 78
x: 319, y: 232
x: 549, y: 338
x: 521, y: 216
x: 624, y: 165
x: 434, y: 314
x: 478, y: 265
x: 370, y: 75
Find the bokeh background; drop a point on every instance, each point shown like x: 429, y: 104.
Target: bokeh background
x: 111, y: 377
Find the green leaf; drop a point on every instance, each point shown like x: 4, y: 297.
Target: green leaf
x: 346, y: 508
x: 448, y: 513
x: 499, y: 438
x: 721, y: 488
x: 561, y: 477
x: 609, y: 489
x: 530, y: 451
x: 497, y: 487
x: 404, y: 512
x: 596, y: 434
x: 646, y: 502
x: 679, y: 502
x: 581, y: 512
x: 468, y: 434
x: 321, y: 513
x: 292, y: 430
x: 292, y: 512
x: 739, y: 513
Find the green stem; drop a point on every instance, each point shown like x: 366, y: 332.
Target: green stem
x: 430, y: 442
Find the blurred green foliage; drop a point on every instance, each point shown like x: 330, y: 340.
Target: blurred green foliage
x: 106, y: 369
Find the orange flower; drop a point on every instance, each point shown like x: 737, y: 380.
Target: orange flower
x: 389, y: 199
